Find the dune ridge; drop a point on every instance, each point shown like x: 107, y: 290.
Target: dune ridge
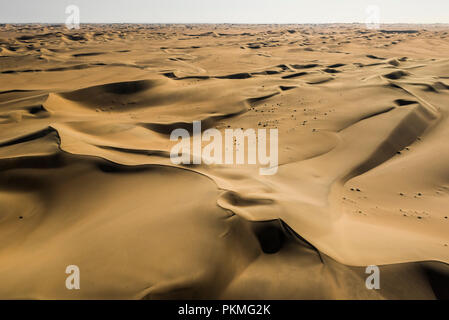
x: 86, y: 176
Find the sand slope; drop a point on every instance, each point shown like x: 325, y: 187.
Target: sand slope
x: 86, y: 176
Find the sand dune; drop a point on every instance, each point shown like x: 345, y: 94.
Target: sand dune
x: 86, y: 176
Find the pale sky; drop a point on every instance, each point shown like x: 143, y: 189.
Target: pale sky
x: 225, y: 11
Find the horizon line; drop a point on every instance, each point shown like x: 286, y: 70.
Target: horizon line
x: 234, y: 23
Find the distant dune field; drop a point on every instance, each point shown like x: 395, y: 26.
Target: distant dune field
x: 86, y: 177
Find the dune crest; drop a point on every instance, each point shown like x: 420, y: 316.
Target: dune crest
x: 86, y: 176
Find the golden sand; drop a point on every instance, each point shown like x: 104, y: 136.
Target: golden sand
x: 86, y: 177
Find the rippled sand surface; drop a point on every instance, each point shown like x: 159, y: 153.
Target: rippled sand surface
x: 86, y: 177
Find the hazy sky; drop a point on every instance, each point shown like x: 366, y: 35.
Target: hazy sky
x: 221, y: 11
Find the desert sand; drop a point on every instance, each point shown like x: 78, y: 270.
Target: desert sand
x: 86, y: 177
